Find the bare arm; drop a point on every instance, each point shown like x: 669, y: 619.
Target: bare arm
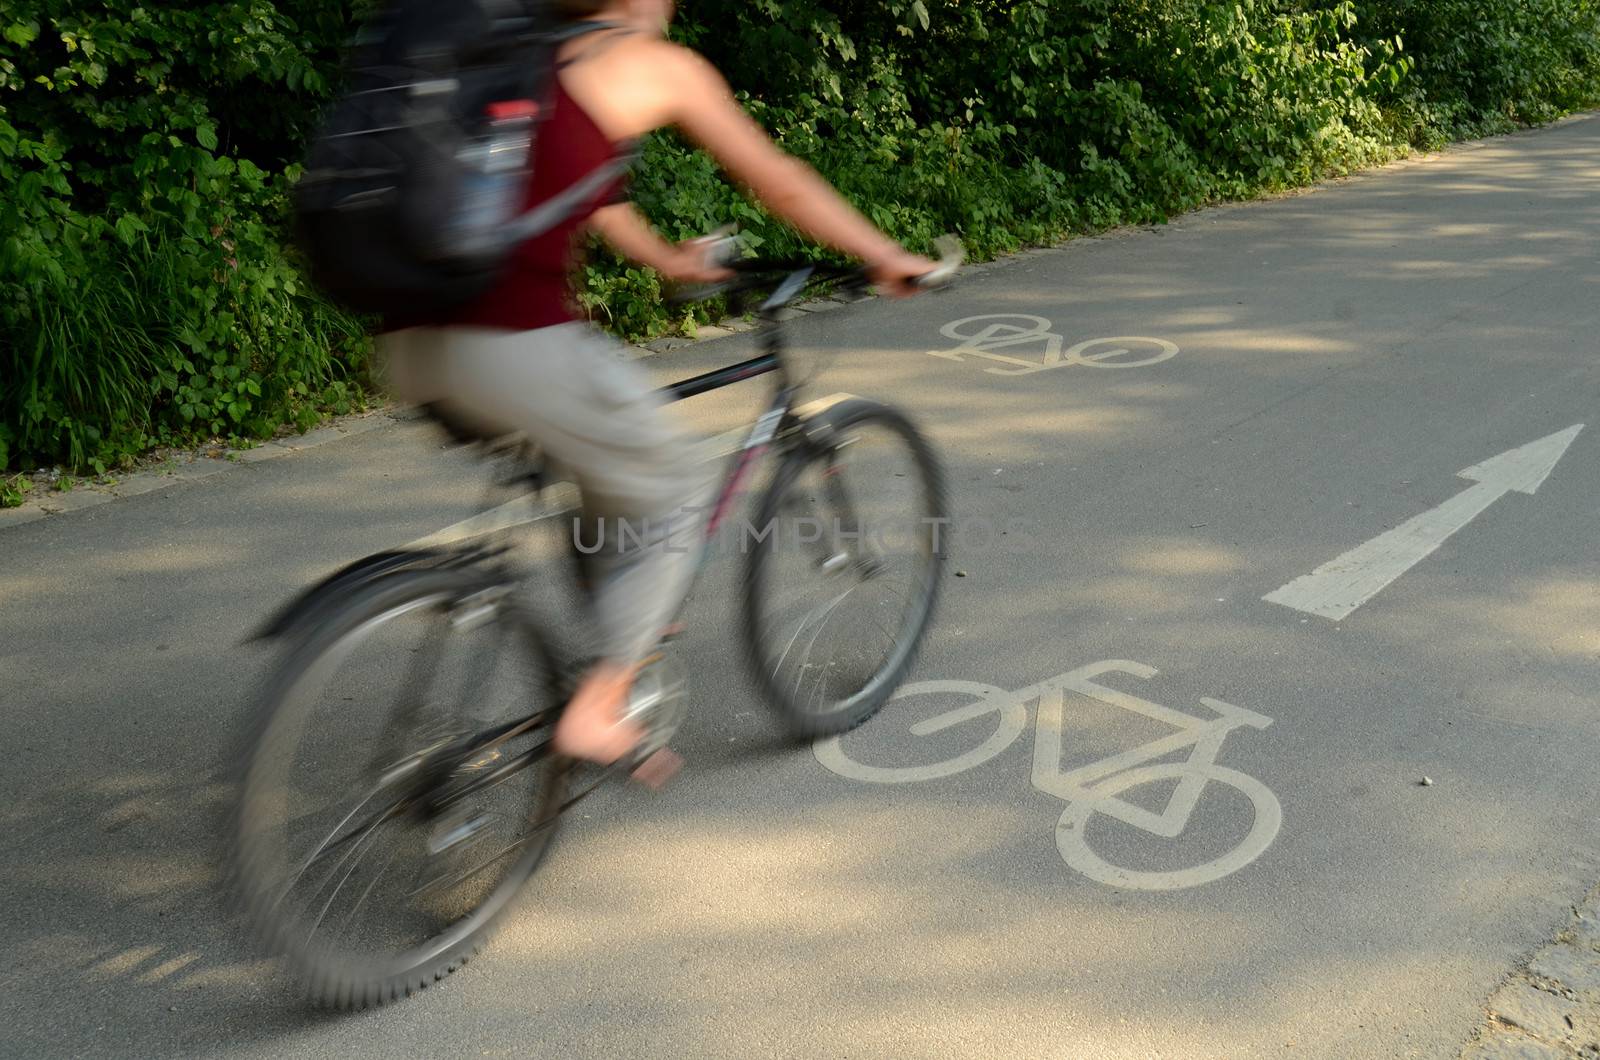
x: 631, y: 235
x: 628, y: 231
x: 640, y: 84
x: 708, y: 114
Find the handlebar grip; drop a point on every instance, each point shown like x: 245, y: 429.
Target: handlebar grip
x: 951, y: 255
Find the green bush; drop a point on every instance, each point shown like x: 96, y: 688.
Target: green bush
x: 147, y: 295
x: 1484, y: 66
x: 1017, y: 122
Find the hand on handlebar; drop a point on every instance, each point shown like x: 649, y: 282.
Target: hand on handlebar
x: 900, y: 274
x: 711, y: 265
x: 701, y: 261
x: 896, y: 273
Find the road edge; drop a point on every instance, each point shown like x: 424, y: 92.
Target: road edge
x: 1549, y: 1008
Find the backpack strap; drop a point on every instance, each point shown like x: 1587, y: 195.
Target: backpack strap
x: 552, y: 211
x: 559, y: 206
x: 581, y: 28
x: 584, y: 29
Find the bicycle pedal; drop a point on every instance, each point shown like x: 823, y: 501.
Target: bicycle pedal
x: 657, y: 769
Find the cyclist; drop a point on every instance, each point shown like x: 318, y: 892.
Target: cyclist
x: 521, y: 358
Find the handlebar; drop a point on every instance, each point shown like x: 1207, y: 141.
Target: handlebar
x: 785, y: 280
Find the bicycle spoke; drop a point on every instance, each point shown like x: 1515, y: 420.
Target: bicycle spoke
x: 478, y: 677
x: 888, y: 636
x: 500, y: 775
x: 821, y: 690
x: 441, y: 884
x: 891, y: 638
x: 316, y: 925
x: 776, y: 666
x: 420, y: 669
x: 821, y: 687
x: 351, y: 916
x: 456, y: 714
x: 821, y: 625
x: 328, y: 845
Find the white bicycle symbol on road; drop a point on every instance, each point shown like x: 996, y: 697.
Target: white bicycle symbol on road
x: 981, y: 336
x: 1095, y: 788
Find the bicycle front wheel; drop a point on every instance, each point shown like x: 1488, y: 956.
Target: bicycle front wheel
x: 396, y: 789
x: 843, y: 568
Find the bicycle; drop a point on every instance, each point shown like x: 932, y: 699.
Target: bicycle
x: 1096, y: 787
x: 454, y: 775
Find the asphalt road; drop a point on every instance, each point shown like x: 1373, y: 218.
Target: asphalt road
x: 1340, y: 356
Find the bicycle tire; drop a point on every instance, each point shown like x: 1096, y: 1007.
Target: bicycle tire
x: 841, y: 423
x: 339, y: 979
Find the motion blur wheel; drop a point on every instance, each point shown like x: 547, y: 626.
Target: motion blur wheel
x: 843, y: 567
x: 397, y: 789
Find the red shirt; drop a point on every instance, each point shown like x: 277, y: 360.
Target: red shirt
x: 535, y: 289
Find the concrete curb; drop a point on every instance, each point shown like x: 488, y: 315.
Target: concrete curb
x: 185, y: 466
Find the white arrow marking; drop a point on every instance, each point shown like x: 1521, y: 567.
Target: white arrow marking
x: 1340, y: 586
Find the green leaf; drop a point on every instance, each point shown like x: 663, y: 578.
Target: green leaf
x: 128, y: 226
x: 23, y: 33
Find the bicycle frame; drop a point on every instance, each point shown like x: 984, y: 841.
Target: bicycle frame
x: 766, y: 427
x: 779, y: 416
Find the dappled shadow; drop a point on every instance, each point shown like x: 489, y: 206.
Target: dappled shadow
x: 112, y: 889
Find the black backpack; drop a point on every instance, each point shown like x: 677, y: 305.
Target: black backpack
x: 396, y: 212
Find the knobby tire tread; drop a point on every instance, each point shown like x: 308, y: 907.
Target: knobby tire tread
x: 340, y: 988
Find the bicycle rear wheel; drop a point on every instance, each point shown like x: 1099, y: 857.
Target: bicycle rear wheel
x: 396, y: 789
x: 843, y: 569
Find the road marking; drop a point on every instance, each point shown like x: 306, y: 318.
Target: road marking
x: 1164, y: 351
x: 1000, y: 331
x: 1341, y: 585
x: 981, y: 336
x: 562, y: 497
x: 1096, y: 787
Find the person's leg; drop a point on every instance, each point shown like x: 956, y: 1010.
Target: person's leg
x: 599, y: 418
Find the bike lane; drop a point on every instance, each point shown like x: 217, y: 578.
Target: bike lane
x: 1340, y: 357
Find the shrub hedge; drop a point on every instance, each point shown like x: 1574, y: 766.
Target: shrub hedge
x: 147, y: 295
